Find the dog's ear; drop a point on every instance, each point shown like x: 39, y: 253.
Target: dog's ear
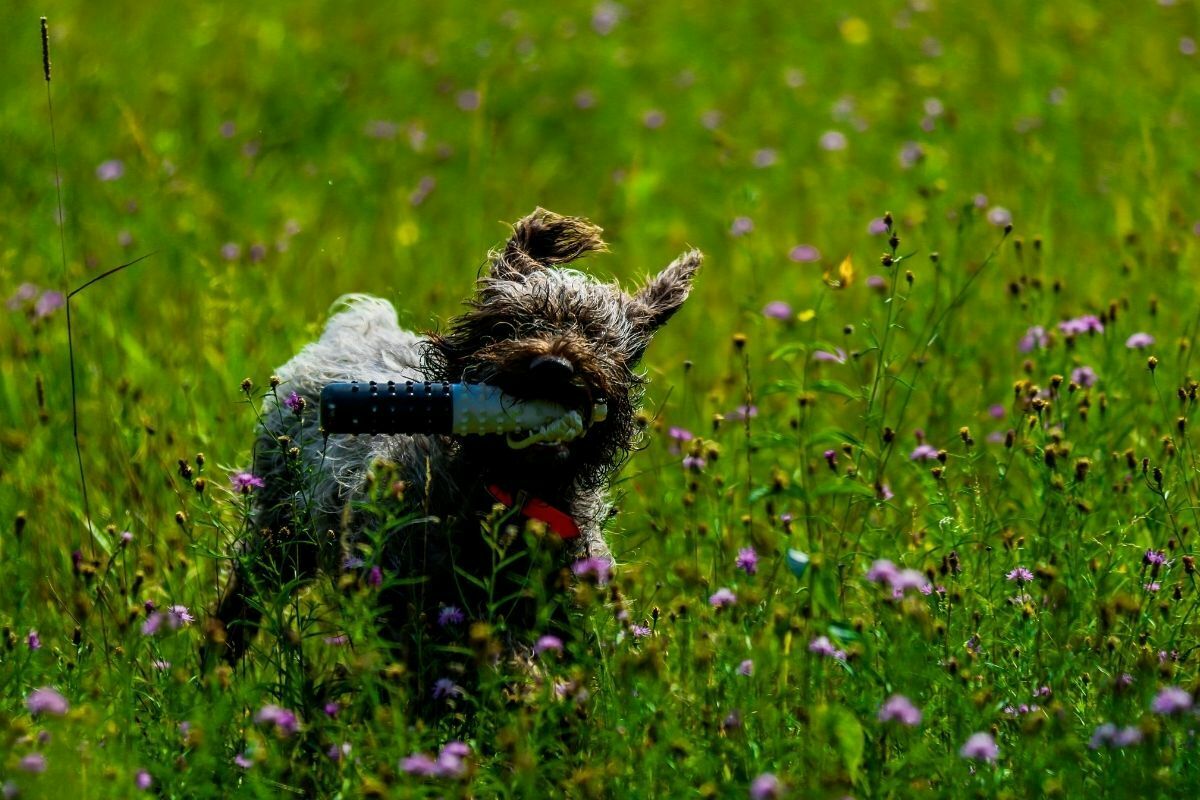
x: 545, y: 239
x: 663, y: 294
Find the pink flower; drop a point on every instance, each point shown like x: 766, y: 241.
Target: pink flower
x: 143, y: 780
x: 838, y: 356
x: 766, y: 787
x: 34, y: 762
x: 419, y: 764
x: 747, y: 560
x: 900, y: 709
x: 179, y: 616
x: 833, y: 141
x: 548, y: 642
x: 999, y: 216
x: 980, y: 747
x: 285, y: 721
x: 110, y: 170
x: 1020, y: 575
x: 1171, y: 700
x: 823, y: 647
x: 746, y: 667
x: 47, y: 701
x: 594, y: 567
x: 803, y: 253
x: 741, y: 226
x: 777, y: 309
x: 722, y: 597
x: 1034, y: 337
x: 245, y: 482
x: 1139, y: 341
x: 1084, y: 376
x: 924, y: 452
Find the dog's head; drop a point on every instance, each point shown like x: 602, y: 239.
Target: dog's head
x: 540, y: 331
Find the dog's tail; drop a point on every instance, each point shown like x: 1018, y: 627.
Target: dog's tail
x: 545, y: 239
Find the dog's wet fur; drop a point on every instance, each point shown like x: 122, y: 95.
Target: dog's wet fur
x: 533, y: 328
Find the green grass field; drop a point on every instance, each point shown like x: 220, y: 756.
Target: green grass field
x: 1040, y: 480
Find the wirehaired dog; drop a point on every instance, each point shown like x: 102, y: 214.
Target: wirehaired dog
x: 535, y: 330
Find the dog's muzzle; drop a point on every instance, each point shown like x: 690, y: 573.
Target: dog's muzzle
x: 462, y: 409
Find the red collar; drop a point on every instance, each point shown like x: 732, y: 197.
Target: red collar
x: 558, y: 521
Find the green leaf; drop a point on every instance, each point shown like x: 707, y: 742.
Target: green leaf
x: 830, y: 386
x: 843, y: 730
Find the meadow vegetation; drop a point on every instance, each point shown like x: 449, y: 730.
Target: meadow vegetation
x: 918, y: 497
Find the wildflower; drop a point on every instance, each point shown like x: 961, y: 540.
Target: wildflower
x: 1154, y: 558
x: 980, y: 747
x: 1139, y: 341
x: 143, y: 780
x: 996, y: 411
x: 332, y: 709
x: 419, y: 764
x: 46, y: 701
x: 910, y: 155
x: 445, y: 688
x: 823, y: 647
x: 179, y: 616
x: 1089, y: 323
x: 153, y: 622
x: 295, y: 402
x: 722, y: 597
x: 110, y: 170
x: 833, y: 141
x: 654, y: 119
x: 882, y: 571
x: 639, y: 631
x: 606, y: 15
x: 1020, y: 575
x: 467, y: 100
x: 838, y: 356
x: 451, y: 760
x: 777, y: 309
x: 876, y: 282
x: 34, y: 762
x: 337, y: 753
x: 48, y: 303
x: 450, y: 615
x: 899, y: 708
x: 766, y: 157
x: 746, y: 667
x: 160, y: 664
x: 243, y: 761
x: 830, y: 457
x: 1171, y: 700
x: 338, y: 640
x: 803, y: 253
x: 877, y: 226
x: 924, y: 452
x: 548, y: 642
x: 33, y: 640
x: 246, y: 482
x: 352, y: 562
x: 741, y: 226
x: 285, y: 721
x: 999, y: 216
x: 1034, y: 337
x: 906, y: 579
x: 375, y: 576
x: 679, y: 434
x: 1084, y: 376
x: 231, y: 251
x: 766, y: 787
x: 694, y: 463
x: 1152, y: 586
x: 258, y: 252
x: 1110, y: 735
x: 126, y: 538
x: 595, y: 567
x: 711, y: 119
x: 747, y: 560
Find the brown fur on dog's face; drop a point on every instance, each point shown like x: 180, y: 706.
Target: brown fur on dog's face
x: 529, y: 310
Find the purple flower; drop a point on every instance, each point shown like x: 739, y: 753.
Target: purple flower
x: 285, y: 721
x: 823, y: 647
x: 548, y: 642
x: 24, y: 293
x: 876, y: 282
x: 741, y: 226
x: 711, y: 119
x: 924, y: 452
x: 597, y: 568
x: 639, y: 631
x: 444, y: 687
x: 777, y: 309
x: 910, y: 155
x: 110, y: 170
x: 246, y: 482
x: 1137, y: 341
x: 1152, y: 586
x: 1171, y: 700
x: 743, y: 413
x: 179, y: 616
x: 143, y: 780
x: 680, y: 434
x: 766, y: 787
x: 999, y: 216
x: 803, y: 253
x: 722, y: 597
x: 450, y: 761
x: 375, y: 576
x: 33, y: 640
x: 766, y: 157
x: 837, y: 357
x: 747, y: 560
x: 46, y: 701
x: 231, y: 251
x: 654, y: 119
x: 905, y: 580
x: 152, y: 624
x: 1084, y: 376
x: 1034, y: 337
x: 980, y: 747
x: 1154, y: 558
x: 337, y: 753
x: 48, y: 303
x: 126, y: 537
x: 746, y: 667
x: 882, y: 571
x: 900, y: 709
x: 1088, y: 323
x: 694, y: 463
x: 830, y: 457
x: 419, y: 764
x: 34, y: 762
x: 332, y: 709
x: 833, y: 141
x: 1020, y: 575
x: 244, y: 761
x: 450, y: 615
x: 295, y: 402
x: 606, y: 15
x: 996, y: 411
x: 877, y: 227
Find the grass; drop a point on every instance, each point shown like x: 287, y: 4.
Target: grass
x: 273, y: 160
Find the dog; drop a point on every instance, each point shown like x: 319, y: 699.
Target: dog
x: 536, y: 330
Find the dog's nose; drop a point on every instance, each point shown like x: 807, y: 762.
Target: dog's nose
x: 551, y: 368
